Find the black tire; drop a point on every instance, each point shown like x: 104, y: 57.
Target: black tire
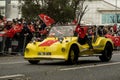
x: 73, y: 56
x: 107, y: 53
x: 33, y: 61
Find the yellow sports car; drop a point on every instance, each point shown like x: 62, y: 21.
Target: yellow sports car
x: 62, y: 44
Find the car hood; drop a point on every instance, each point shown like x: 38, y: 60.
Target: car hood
x: 51, y: 41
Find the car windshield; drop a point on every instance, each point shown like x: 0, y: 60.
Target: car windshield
x: 62, y: 31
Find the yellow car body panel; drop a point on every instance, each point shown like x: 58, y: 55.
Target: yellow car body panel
x: 60, y: 50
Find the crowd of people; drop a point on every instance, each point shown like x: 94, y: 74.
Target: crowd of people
x: 88, y: 33
x: 21, y: 30
x: 108, y: 29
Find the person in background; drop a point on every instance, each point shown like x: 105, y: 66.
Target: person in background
x: 36, y: 27
x: 7, y: 27
x: 20, y: 38
x: 118, y: 32
x: 43, y: 25
x: 43, y: 30
x: 30, y: 31
x: 89, y: 37
x: 105, y: 30
x: 24, y: 37
x: 111, y: 31
x: 100, y: 31
x: 94, y: 33
x: 1, y: 24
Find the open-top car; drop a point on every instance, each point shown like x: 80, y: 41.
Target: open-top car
x: 61, y: 43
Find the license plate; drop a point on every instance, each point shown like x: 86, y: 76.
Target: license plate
x: 44, y: 53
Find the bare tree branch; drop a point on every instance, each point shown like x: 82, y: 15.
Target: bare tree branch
x: 82, y: 11
x: 37, y: 2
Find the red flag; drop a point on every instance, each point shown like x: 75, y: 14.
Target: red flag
x: 115, y: 27
x: 117, y: 41
x: 31, y: 28
x: 15, y: 29
x: 46, y: 19
x: 74, y: 21
x: 10, y: 33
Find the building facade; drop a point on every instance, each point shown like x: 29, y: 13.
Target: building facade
x: 10, y: 8
x: 101, y: 12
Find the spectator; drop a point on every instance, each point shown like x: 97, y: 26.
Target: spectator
x: 7, y: 27
x: 43, y: 30
x: 37, y: 26
x: 118, y: 32
x: 105, y: 30
x: 24, y: 37
x: 100, y: 30
x: 89, y: 37
x: 1, y: 24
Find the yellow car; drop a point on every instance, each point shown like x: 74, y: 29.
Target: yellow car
x: 63, y: 45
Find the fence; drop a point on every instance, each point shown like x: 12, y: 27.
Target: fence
x: 12, y: 50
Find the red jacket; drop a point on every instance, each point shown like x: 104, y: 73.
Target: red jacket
x: 81, y: 31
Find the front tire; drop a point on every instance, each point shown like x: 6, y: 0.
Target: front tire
x: 73, y: 56
x: 33, y: 61
x: 106, y: 53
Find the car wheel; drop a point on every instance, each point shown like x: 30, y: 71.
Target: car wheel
x: 73, y: 56
x: 33, y: 61
x: 107, y: 53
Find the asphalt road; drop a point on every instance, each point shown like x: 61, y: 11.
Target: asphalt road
x: 90, y: 68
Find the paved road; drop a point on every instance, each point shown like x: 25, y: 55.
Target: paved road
x: 90, y: 68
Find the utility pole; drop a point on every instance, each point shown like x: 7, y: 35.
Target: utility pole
x: 20, y: 7
x: 116, y: 18
x: 7, y: 2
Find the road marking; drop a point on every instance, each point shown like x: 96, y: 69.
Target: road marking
x: 12, y: 76
x: 91, y: 66
x: 14, y: 62
x: 116, y: 54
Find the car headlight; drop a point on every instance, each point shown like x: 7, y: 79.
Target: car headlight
x: 60, y: 39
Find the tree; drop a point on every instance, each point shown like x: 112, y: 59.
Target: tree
x: 61, y: 11
x: 81, y: 11
x: 30, y: 10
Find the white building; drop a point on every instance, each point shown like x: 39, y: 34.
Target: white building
x: 13, y: 9
x: 101, y: 12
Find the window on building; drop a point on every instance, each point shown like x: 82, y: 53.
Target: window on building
x: 110, y: 18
